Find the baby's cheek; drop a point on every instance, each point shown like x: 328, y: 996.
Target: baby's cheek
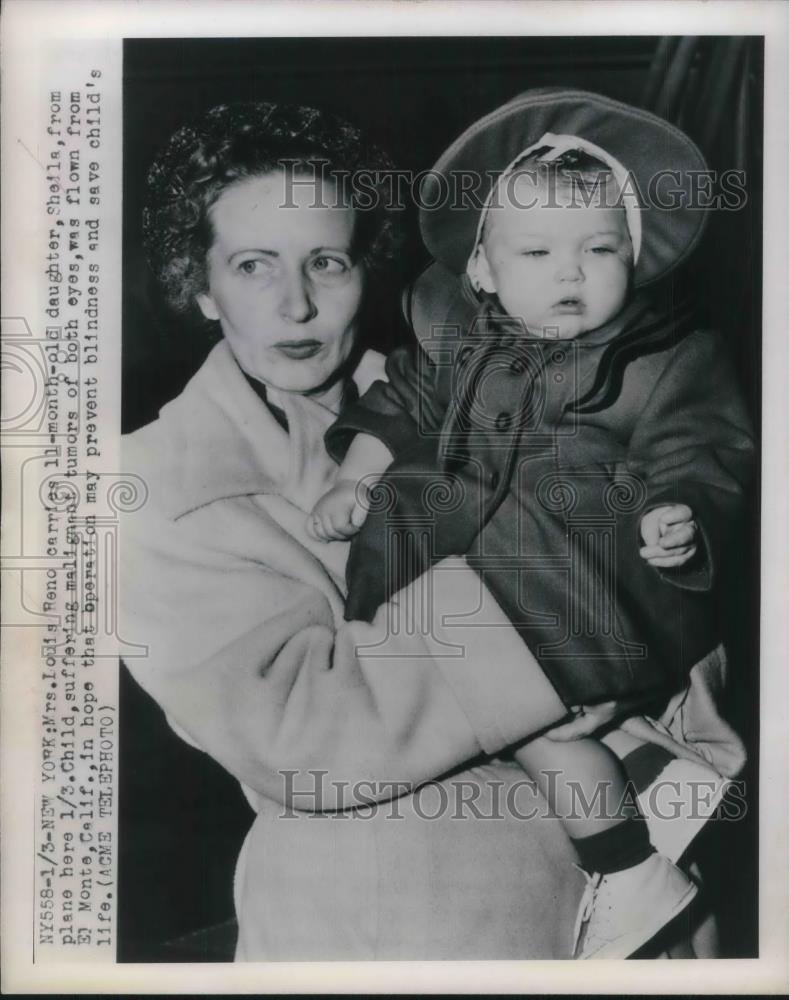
x: 625, y: 267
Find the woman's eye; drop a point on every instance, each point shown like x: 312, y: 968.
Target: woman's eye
x: 603, y: 250
x: 253, y: 266
x: 329, y: 265
x: 535, y: 253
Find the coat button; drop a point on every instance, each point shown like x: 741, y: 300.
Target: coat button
x: 494, y: 479
x: 518, y: 366
x: 503, y: 421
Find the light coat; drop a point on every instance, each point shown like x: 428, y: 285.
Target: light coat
x: 241, y: 617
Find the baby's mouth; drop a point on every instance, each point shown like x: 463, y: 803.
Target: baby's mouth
x: 569, y: 305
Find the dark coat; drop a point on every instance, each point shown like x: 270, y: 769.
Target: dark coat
x: 537, y: 459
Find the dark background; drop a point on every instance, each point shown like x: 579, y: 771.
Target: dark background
x: 182, y: 818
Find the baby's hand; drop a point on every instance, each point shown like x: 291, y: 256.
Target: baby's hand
x: 338, y: 514
x: 669, y: 534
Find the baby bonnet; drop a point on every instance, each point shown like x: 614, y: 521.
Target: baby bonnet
x: 662, y: 163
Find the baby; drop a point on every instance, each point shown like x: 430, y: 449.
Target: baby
x: 553, y: 264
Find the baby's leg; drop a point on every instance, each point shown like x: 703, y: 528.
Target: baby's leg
x: 632, y: 892
x: 586, y: 786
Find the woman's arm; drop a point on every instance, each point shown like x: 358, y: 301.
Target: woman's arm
x: 250, y: 664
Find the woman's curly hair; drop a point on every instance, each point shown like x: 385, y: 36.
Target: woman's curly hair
x: 235, y: 141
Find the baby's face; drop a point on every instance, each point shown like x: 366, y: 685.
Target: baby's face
x: 561, y: 266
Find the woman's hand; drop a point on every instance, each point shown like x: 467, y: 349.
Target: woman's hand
x: 587, y: 720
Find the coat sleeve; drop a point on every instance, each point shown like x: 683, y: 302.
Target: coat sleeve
x: 420, y: 513
x: 693, y: 444
x: 251, y: 665
x: 397, y: 411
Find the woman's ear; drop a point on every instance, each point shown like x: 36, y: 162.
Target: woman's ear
x: 207, y: 306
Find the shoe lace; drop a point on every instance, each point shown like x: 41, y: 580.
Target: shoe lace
x: 586, y: 906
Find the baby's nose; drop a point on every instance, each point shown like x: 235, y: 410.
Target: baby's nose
x: 570, y: 270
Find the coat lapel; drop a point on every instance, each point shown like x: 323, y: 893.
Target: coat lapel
x: 225, y: 442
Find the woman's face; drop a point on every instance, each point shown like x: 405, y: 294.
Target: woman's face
x: 282, y: 281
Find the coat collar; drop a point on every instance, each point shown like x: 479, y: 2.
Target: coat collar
x: 591, y: 346
x: 223, y: 441
x: 587, y: 350
x: 635, y: 313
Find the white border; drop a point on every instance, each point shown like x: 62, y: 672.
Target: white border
x: 26, y: 23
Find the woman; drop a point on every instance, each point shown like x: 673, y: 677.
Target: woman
x: 242, y: 612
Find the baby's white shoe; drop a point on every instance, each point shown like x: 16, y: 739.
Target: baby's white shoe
x: 621, y: 911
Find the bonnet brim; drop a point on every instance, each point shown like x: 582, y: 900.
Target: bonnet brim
x: 663, y: 161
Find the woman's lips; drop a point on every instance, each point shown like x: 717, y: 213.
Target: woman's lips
x: 569, y: 306
x: 298, y: 350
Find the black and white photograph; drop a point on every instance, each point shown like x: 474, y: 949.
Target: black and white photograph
x: 569, y: 406
x: 393, y: 460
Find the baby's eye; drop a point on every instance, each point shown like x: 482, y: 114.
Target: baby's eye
x: 330, y: 265
x: 535, y: 253
x: 603, y: 250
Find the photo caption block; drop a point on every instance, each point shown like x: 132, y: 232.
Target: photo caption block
x: 61, y: 342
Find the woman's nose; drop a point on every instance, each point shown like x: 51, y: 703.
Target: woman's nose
x: 296, y: 304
